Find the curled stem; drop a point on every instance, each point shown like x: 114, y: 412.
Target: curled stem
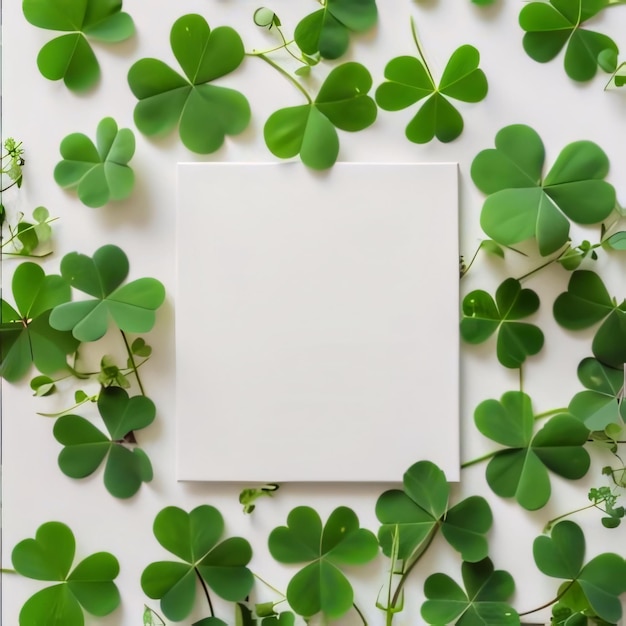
x: 287, y: 75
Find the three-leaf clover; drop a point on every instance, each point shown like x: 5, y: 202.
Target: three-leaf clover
x: 587, y: 302
x: 521, y: 470
x: 310, y: 130
x: 98, y: 172
x: 205, y: 113
x: 521, y: 205
x: 411, y: 516
x: 194, y: 538
x: 482, y: 317
x: 89, y: 585
x: 85, y: 446
x: 132, y: 306
x: 321, y: 586
x: 602, y: 403
x: 327, y: 30
x: 410, y: 80
x: 551, y: 25
x: 26, y: 336
x: 484, y: 600
x: 70, y: 57
x: 598, y: 583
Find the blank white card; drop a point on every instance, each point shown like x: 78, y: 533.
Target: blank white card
x: 316, y: 321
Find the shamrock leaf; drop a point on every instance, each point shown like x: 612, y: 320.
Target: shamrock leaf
x: 321, y: 586
x: 99, y: 173
x: 70, y: 57
x: 86, y: 447
x: 587, y: 302
x: 327, y: 30
x: 409, y: 80
x: 600, y: 582
x: 131, y: 306
x: 521, y: 470
x: 603, y: 401
x: 310, y: 129
x: 26, y: 336
x: 551, y: 25
x: 521, y: 205
x: 482, y: 317
x: 413, y: 515
x: 205, y: 113
x: 193, y: 537
x: 89, y: 586
x: 484, y: 600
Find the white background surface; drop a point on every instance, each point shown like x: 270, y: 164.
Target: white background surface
x: 41, y: 113
x: 306, y: 323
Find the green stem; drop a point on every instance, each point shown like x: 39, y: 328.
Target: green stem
x: 88, y: 399
x: 551, y: 412
x: 206, y: 591
x: 280, y: 593
x: 521, y: 379
x: 480, y: 459
x: 421, y: 53
x: 286, y: 46
x: 286, y: 74
x: 467, y: 269
x: 551, y: 523
x: 132, y: 363
x: 543, y: 265
x: 356, y: 608
x: 15, y: 235
x: 7, y: 571
x: 547, y: 604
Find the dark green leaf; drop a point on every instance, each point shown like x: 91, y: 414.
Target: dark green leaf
x: 482, y: 317
x: 70, y: 57
x: 204, y: 113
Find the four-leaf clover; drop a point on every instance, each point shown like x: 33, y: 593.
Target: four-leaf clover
x: 98, y: 172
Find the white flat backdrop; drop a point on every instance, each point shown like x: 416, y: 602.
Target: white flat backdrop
x: 41, y: 113
x: 310, y: 326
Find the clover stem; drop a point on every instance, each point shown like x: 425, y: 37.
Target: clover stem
x: 421, y: 53
x: 9, y: 186
x: 521, y: 379
x: 547, y: 604
x: 551, y: 412
x: 356, y: 608
x: 133, y: 365
x: 551, y: 523
x: 415, y: 559
x: 543, y: 265
x: 286, y: 46
x: 286, y: 74
x: 206, y: 591
x: 15, y: 235
x: 467, y: 269
x: 7, y: 571
x: 282, y: 595
x: 480, y: 459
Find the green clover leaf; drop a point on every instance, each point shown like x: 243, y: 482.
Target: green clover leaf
x: 310, y: 129
x: 551, y: 25
x: 321, y: 586
x: 482, y: 317
x: 89, y: 586
x: 484, y: 600
x: 98, y: 172
x: 194, y: 538
x: 521, y: 470
x: 132, y: 306
x: 86, y: 447
x: 70, y: 57
x: 327, y: 31
x: 600, y: 582
x: 521, y: 205
x: 587, y: 302
x: 409, y: 80
x: 413, y: 515
x: 26, y: 336
x: 204, y: 113
x: 602, y: 403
